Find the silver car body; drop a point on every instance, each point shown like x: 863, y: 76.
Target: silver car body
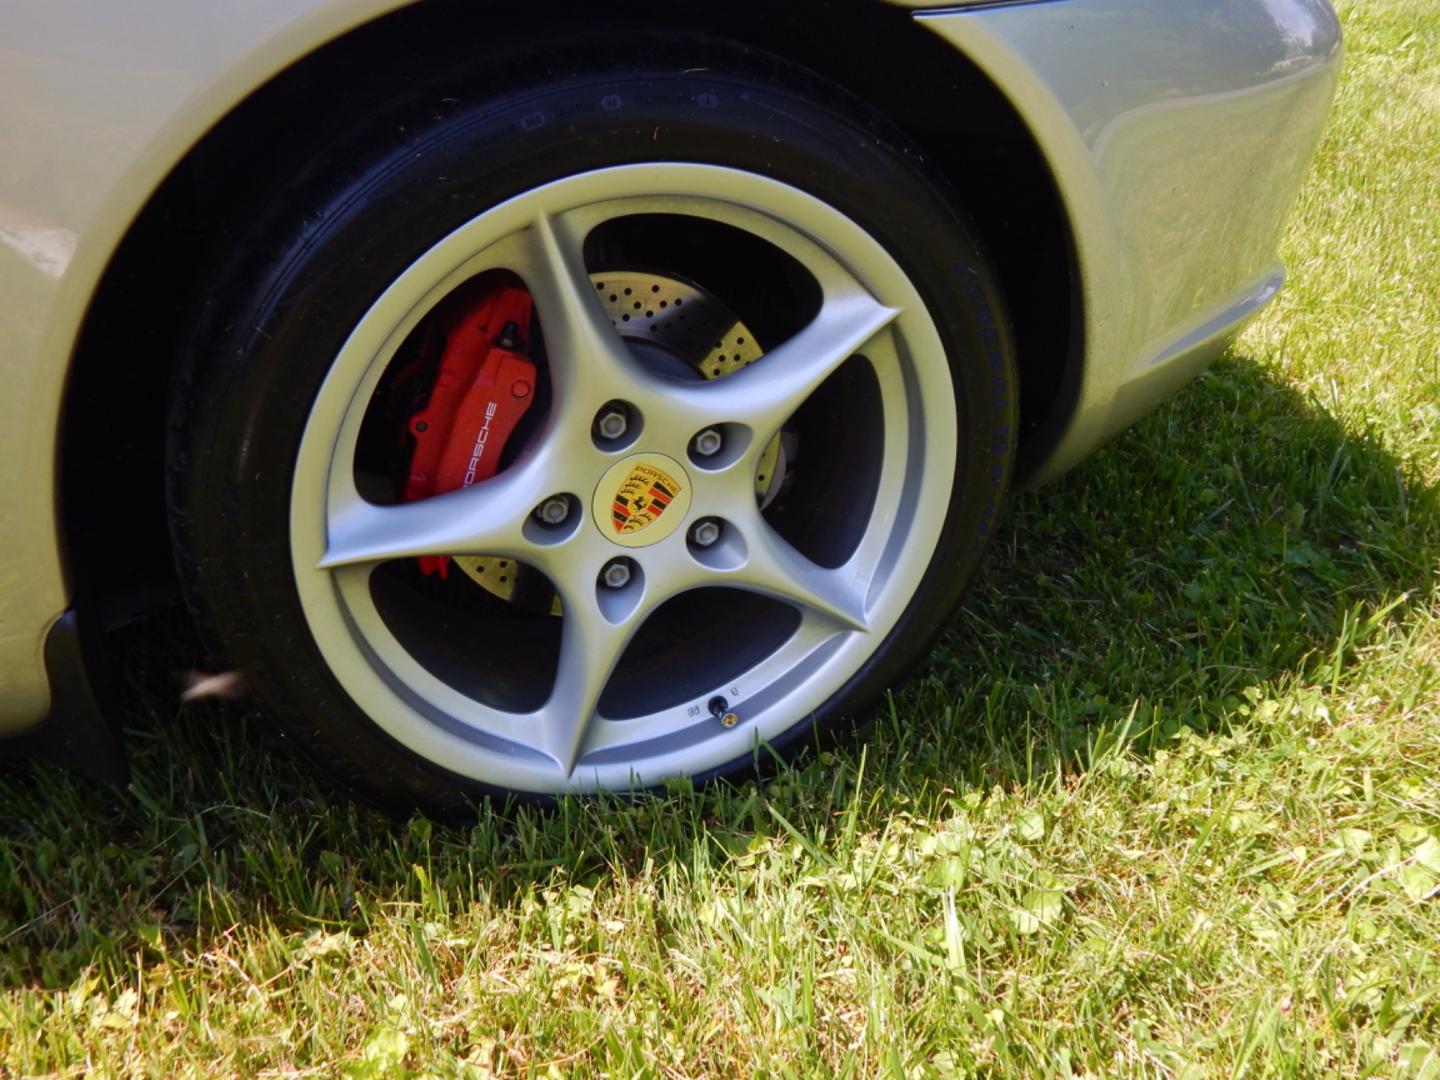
x: 1176, y: 132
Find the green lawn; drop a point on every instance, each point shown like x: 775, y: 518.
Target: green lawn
x: 1166, y: 803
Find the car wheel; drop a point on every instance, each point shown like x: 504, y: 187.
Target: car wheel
x: 590, y: 429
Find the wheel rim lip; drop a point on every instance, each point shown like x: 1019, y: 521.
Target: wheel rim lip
x: 423, y: 717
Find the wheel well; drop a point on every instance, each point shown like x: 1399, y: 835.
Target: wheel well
x: 112, y: 463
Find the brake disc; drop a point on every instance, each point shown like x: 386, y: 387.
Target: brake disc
x: 682, y: 318
x: 688, y: 323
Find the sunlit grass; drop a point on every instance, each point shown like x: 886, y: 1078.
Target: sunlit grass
x: 1167, y: 801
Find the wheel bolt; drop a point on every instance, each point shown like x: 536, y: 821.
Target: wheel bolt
x: 616, y: 574
x: 553, y: 510
x: 612, y: 422
x: 708, y: 442
x: 705, y: 532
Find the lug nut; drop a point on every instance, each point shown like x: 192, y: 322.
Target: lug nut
x: 705, y: 532
x: 553, y: 510
x: 708, y: 442
x: 612, y: 422
x: 616, y: 574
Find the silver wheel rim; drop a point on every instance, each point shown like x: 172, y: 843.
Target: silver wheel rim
x: 868, y: 308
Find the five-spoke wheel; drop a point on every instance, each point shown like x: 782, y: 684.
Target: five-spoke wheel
x: 750, y: 453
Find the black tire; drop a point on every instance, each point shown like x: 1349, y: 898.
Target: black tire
x: 437, y: 156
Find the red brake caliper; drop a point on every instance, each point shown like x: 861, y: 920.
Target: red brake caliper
x: 482, y: 389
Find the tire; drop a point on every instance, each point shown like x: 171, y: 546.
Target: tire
x: 884, y: 394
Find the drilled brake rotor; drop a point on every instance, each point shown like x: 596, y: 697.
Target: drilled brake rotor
x: 691, y: 325
x: 682, y: 318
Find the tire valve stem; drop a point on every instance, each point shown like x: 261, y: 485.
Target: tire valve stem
x: 720, y: 709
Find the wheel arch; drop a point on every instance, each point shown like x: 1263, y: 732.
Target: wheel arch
x: 114, y: 410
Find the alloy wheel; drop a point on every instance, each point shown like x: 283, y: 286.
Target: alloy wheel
x: 673, y: 648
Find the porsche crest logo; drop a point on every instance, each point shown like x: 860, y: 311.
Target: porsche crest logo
x: 641, y: 500
x: 644, y: 495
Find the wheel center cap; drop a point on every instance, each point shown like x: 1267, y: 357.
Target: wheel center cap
x: 641, y: 499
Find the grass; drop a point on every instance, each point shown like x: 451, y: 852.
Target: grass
x: 1166, y: 803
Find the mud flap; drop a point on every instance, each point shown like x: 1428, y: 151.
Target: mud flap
x: 76, y: 732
